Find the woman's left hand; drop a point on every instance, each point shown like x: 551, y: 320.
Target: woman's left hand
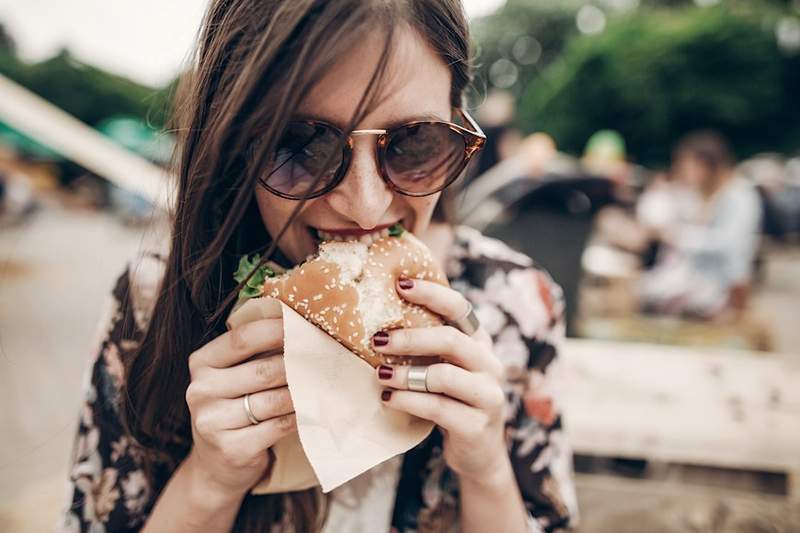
x: 465, y: 396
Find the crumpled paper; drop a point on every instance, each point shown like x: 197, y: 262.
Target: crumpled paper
x: 343, y: 429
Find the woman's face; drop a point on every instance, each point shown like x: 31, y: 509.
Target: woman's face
x: 691, y: 171
x: 416, y: 87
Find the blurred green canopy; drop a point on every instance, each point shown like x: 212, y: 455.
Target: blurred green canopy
x: 132, y: 133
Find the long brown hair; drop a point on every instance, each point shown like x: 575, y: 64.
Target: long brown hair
x: 254, y: 61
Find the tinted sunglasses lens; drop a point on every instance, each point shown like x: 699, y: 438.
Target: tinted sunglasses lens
x: 424, y: 158
x: 304, y: 152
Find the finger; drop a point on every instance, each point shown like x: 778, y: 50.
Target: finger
x: 264, y: 372
x: 446, y: 412
x: 476, y: 389
x: 444, y: 341
x: 264, y: 404
x: 239, y: 344
x: 257, y: 438
x: 230, y: 413
x: 442, y: 300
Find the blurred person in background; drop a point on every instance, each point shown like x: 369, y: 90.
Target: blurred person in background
x: 605, y: 155
x: 706, y: 254
x: 166, y: 439
x: 772, y: 175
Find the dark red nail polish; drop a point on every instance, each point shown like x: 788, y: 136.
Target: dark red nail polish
x: 386, y: 395
x: 406, y: 283
x: 385, y: 372
x: 380, y: 339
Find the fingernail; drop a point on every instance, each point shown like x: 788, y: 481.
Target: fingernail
x: 380, y: 339
x: 386, y: 395
x: 406, y: 283
x: 385, y: 372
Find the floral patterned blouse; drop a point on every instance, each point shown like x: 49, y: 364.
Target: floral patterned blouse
x: 516, y: 302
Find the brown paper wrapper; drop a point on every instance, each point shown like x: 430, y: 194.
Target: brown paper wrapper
x: 343, y: 429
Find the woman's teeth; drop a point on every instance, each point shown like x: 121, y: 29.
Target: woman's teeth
x: 367, y: 239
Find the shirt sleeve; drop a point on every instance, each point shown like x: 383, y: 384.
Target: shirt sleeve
x: 528, y: 329
x: 107, y: 487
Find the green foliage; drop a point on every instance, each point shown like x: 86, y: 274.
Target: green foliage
x: 550, y: 22
x: 7, y: 43
x: 87, y: 92
x: 656, y: 74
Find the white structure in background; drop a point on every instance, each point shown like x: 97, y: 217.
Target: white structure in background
x: 78, y: 142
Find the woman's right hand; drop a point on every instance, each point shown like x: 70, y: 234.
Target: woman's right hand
x: 229, y: 453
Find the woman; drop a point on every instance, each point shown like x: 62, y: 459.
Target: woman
x: 707, y: 251
x: 164, y: 443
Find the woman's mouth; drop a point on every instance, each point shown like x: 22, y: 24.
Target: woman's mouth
x: 365, y: 237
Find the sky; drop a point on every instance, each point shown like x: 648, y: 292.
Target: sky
x: 146, y: 40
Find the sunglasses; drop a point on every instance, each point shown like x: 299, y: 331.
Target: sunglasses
x: 415, y: 159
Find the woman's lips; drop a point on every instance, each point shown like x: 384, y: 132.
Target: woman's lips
x: 356, y: 232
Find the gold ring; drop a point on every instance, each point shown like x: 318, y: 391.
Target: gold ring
x: 249, y: 412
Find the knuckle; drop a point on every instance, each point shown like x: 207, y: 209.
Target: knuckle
x: 452, y: 338
x: 192, y: 395
x: 400, y: 339
x: 193, y: 363
x: 434, y: 408
x: 446, y: 373
x: 203, y: 425
x: 265, y: 371
x: 266, y: 404
x: 284, y: 400
x: 499, y: 399
x: 284, y: 423
x: 498, y: 369
x: 238, y: 338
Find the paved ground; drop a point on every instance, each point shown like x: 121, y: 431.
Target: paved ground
x: 55, y: 274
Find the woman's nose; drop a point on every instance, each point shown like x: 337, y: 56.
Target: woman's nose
x: 362, y: 196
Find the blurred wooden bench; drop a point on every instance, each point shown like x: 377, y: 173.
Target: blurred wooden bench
x: 723, y: 408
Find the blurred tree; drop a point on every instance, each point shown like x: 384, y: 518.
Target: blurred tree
x: 656, y: 74
x: 520, y: 39
x: 87, y: 92
x: 6, y: 40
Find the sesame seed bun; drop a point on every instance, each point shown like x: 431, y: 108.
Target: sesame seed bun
x: 348, y: 291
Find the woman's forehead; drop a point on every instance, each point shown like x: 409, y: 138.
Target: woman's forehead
x: 416, y: 84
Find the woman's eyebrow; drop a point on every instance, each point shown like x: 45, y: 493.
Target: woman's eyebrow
x: 392, y: 123
x: 422, y: 117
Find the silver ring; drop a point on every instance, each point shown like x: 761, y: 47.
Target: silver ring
x: 417, y: 380
x: 249, y: 412
x: 468, y: 323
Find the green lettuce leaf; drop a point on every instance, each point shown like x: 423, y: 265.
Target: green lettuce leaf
x: 255, y: 284
x: 396, y: 230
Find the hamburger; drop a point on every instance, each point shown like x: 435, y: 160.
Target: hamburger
x: 347, y: 289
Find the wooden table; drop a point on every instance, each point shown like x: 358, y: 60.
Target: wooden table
x: 701, y: 406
